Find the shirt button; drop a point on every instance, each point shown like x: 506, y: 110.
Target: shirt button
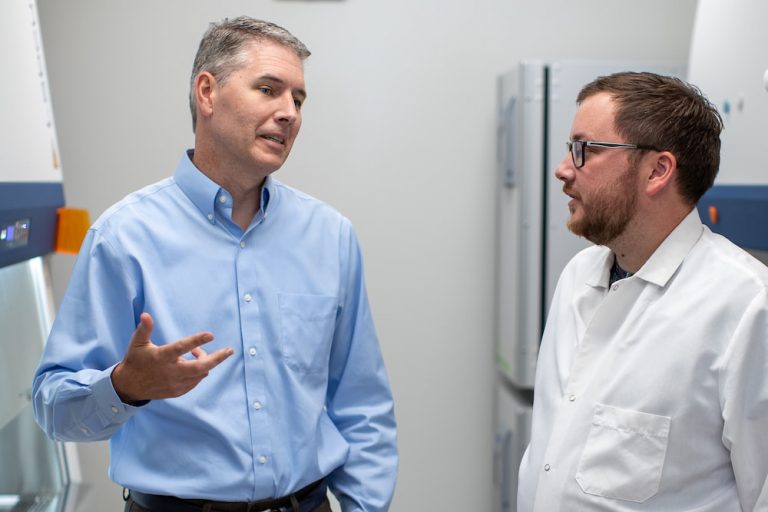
x: 262, y: 460
x: 222, y: 199
x: 257, y: 405
x: 572, y: 398
x: 546, y: 467
x: 210, y: 217
x: 114, y: 409
x: 252, y: 351
x: 242, y: 245
x: 247, y: 297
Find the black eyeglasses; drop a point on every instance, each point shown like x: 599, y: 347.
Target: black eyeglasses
x: 578, y: 153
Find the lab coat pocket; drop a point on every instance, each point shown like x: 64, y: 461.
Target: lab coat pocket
x: 624, y: 454
x: 307, y: 323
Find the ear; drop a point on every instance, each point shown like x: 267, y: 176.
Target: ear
x: 663, y: 172
x: 205, y: 93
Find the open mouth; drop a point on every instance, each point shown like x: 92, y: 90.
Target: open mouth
x: 274, y: 138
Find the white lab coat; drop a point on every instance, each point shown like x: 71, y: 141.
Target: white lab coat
x: 653, y: 394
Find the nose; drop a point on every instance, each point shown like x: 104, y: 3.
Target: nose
x: 287, y: 111
x: 565, y: 171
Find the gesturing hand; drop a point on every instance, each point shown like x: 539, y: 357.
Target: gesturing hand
x: 151, y: 372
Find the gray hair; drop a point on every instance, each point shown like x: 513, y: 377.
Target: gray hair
x: 222, y: 49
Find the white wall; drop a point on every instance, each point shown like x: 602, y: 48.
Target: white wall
x: 732, y: 74
x: 399, y: 135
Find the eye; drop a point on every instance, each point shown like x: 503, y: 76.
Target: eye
x: 265, y: 89
x: 297, y: 102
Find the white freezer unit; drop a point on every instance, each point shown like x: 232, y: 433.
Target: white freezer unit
x: 520, y: 217
x: 513, y: 431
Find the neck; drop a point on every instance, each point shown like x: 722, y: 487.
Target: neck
x: 244, y: 185
x: 245, y: 204
x: 644, y: 234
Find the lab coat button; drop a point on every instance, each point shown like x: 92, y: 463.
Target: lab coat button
x: 615, y: 287
x: 546, y: 467
x: 572, y: 398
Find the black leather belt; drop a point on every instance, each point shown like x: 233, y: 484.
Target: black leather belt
x: 314, y: 492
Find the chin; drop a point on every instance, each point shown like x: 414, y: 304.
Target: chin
x: 574, y: 224
x: 270, y: 165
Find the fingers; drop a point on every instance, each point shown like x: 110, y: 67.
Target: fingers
x: 179, y: 348
x: 150, y: 372
x: 213, y: 360
x: 204, y: 364
x: 199, y: 352
x: 143, y: 331
x: 203, y: 361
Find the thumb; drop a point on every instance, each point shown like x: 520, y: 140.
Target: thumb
x: 143, y: 331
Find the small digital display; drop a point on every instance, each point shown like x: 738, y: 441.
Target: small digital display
x: 14, y: 234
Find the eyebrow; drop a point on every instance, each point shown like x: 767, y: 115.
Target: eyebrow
x: 272, y: 78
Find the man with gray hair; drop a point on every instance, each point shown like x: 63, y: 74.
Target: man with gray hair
x: 290, y: 397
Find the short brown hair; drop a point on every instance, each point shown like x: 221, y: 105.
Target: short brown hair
x: 666, y: 113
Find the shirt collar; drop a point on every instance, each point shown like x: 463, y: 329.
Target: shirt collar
x: 203, y: 192
x: 599, y: 273
x: 664, y: 261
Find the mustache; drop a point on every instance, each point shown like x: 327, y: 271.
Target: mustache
x: 570, y: 192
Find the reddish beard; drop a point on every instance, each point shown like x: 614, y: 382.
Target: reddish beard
x: 607, y: 210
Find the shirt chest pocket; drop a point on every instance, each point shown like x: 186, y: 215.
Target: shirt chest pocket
x: 624, y: 454
x: 306, y: 330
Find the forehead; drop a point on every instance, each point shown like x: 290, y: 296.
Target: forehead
x: 594, y: 119
x: 271, y: 58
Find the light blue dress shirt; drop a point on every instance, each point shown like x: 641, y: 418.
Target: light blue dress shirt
x: 305, y: 394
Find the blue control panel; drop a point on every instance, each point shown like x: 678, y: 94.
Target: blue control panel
x: 28, y: 214
x: 738, y: 212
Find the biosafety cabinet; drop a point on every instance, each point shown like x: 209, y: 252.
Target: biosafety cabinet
x: 36, y: 474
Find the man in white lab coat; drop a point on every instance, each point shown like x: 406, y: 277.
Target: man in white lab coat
x: 652, y: 380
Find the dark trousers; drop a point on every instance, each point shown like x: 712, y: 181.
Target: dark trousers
x: 312, y: 498
x: 131, y: 506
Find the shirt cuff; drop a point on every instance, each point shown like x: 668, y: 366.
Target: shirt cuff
x: 108, y: 402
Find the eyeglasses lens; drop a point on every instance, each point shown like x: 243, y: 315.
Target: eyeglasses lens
x: 577, y: 153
